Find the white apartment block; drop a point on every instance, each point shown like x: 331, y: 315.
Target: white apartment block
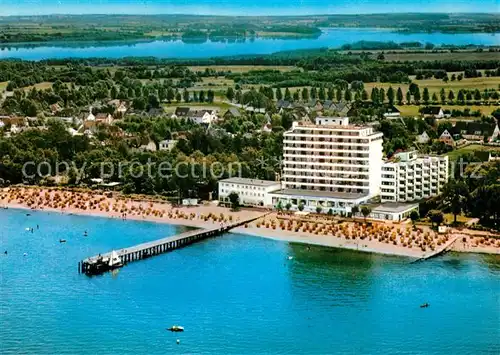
x: 332, y: 165
x: 409, y: 177
x: 252, y: 192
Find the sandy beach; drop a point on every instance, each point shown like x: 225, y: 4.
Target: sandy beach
x: 376, y: 237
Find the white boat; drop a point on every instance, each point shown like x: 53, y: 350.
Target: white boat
x: 114, y: 260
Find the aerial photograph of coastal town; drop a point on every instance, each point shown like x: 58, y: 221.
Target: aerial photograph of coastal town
x: 249, y: 177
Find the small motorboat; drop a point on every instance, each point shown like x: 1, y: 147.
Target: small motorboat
x: 62, y: 240
x: 176, y: 328
x: 425, y: 305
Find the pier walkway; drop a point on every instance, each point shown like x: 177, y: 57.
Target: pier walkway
x: 103, y: 262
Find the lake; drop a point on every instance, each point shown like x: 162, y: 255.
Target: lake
x: 234, y: 294
x: 333, y: 38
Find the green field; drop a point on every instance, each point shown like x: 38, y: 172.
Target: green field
x: 453, y: 155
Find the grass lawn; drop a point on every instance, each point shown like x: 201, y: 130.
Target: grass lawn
x: 453, y: 155
x: 449, y: 218
x: 3, y: 85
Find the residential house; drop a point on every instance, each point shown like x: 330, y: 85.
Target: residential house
x: 104, y: 118
x: 159, y: 111
x: 283, y: 104
x: 423, y: 138
x: 476, y: 131
x: 315, y: 105
x: 167, y: 144
x: 447, y: 138
x: 233, y: 112
x: 151, y: 146
x: 181, y: 112
x: 340, y: 108
x: 55, y: 108
x: 392, y: 112
x: 203, y: 116
x: 432, y: 111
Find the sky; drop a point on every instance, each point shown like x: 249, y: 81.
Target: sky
x: 241, y: 7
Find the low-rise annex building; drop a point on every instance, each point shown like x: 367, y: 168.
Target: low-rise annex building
x: 251, y: 192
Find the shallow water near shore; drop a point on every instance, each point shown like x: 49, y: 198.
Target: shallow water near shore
x: 234, y: 294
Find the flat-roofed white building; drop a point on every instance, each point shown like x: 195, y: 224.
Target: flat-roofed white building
x: 310, y: 200
x: 334, y: 160
x: 252, y: 192
x: 409, y: 177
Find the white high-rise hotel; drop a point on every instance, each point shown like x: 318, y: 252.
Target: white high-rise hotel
x: 333, y: 165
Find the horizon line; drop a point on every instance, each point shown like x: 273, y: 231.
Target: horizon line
x: 214, y: 15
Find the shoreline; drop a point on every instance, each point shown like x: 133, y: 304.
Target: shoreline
x: 381, y: 238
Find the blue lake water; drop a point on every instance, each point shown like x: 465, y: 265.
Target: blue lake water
x: 333, y: 38
x: 234, y: 295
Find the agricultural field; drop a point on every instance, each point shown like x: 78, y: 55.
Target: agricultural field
x: 243, y: 68
x: 429, y: 56
x: 435, y: 85
x: 220, y: 106
x: 413, y: 110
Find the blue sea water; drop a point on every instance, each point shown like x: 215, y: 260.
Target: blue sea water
x: 234, y: 294
x: 331, y: 38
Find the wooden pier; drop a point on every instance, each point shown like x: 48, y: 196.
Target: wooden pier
x: 99, y: 264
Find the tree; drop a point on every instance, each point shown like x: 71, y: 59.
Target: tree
x: 451, y: 95
x: 318, y: 209
x: 321, y: 93
x: 300, y: 207
x: 178, y: 97
x: 305, y: 94
x: 374, y: 96
x: 460, y: 96
x: 390, y: 95
x: 201, y: 96
x: 234, y: 198
x: 288, y: 95
x: 288, y: 206
x: 354, y: 210
x: 230, y: 94
x: 210, y: 96
x: 442, y: 96
x: 338, y: 95
x: 436, y: 217
x: 399, y: 96
x: 185, y: 95
x: 414, y: 216
x: 455, y: 197
x: 347, y: 95
x: 408, y: 97
x: 279, y: 94
x: 170, y: 94
x: 365, y: 210
x: 314, y: 94
x: 425, y: 96
x: 416, y: 95
x: 330, y: 93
